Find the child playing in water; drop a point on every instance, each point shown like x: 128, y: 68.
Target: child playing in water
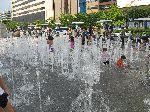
x: 105, y: 56
x: 72, y: 42
x: 120, y: 63
x: 50, y: 42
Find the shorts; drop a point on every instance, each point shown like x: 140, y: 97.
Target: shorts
x: 106, y: 62
x: 3, y: 100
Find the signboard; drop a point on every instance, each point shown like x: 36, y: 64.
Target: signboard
x: 129, y: 3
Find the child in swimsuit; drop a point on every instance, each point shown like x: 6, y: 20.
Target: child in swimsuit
x: 72, y: 42
x: 50, y: 42
x: 105, y: 56
x: 120, y: 63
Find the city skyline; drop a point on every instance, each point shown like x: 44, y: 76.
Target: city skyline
x: 5, y: 5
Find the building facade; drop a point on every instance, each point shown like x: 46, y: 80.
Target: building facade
x: 93, y: 6
x: 5, y: 15
x: 82, y: 6
x: 31, y: 10
x: 65, y: 7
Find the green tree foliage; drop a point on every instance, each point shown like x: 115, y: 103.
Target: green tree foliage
x: 101, y: 15
x: 51, y: 23
x: 66, y: 19
x: 80, y: 17
x: 138, y: 12
x: 91, y: 19
x: 39, y: 22
x: 12, y: 25
x: 116, y: 15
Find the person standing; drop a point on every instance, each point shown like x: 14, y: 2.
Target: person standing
x: 122, y: 36
x: 72, y: 42
x: 50, y: 43
x: 105, y: 57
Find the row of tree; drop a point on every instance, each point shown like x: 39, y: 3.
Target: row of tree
x: 117, y: 15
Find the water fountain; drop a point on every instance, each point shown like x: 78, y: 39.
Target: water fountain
x: 33, y: 68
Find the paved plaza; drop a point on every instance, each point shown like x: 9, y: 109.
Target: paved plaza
x: 72, y: 80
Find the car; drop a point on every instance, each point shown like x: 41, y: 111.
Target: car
x: 61, y: 30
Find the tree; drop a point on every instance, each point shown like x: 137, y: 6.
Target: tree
x: 138, y: 12
x: 39, y: 22
x: 66, y: 19
x: 116, y: 15
x: 12, y: 25
x: 91, y: 19
x: 51, y: 23
x: 80, y: 17
x: 101, y: 15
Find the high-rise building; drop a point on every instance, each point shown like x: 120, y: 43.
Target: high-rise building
x: 5, y: 15
x: 82, y: 5
x: 31, y: 10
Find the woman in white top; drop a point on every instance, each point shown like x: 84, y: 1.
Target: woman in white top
x: 5, y: 105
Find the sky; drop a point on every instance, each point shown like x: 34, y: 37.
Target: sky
x: 5, y: 5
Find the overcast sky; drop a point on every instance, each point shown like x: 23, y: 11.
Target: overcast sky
x: 4, y: 5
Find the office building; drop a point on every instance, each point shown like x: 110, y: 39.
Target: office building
x: 5, y: 15
x: 93, y: 6
x: 65, y: 7
x: 31, y: 10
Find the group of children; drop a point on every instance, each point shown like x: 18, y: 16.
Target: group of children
x: 105, y: 57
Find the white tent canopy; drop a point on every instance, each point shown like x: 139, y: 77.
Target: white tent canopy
x: 57, y: 23
x: 142, y: 19
x: 103, y: 21
x: 77, y: 23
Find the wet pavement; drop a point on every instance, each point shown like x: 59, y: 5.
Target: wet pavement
x: 78, y: 82
x: 116, y: 91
